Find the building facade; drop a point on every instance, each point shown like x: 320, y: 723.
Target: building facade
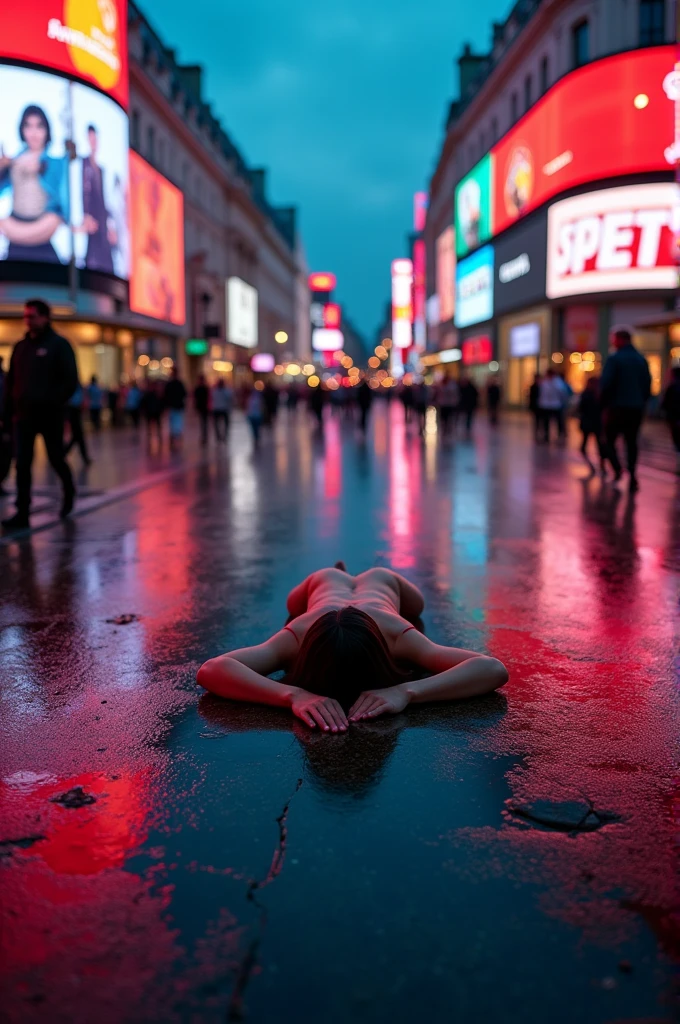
x: 552, y: 211
x: 211, y: 272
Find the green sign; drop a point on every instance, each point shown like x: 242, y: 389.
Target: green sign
x: 196, y: 347
x: 472, y: 208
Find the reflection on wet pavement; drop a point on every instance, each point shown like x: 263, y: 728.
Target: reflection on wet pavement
x: 433, y: 863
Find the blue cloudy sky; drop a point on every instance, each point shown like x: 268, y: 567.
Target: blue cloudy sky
x: 345, y: 106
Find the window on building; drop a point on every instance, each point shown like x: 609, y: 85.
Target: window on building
x: 652, y: 22
x: 528, y: 98
x: 134, y: 129
x: 514, y: 107
x: 580, y: 44
x: 544, y: 75
x: 151, y: 144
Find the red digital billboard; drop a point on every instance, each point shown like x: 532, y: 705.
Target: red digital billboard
x: 477, y: 350
x: 83, y: 38
x: 603, y: 120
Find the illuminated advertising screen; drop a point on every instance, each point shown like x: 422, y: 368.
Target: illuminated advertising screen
x: 525, y: 340
x: 446, y: 274
x: 83, y: 38
x: 476, y: 351
x: 567, y: 138
x: 617, y: 239
x: 520, y: 264
x: 326, y: 339
x: 242, y: 313
x: 474, y: 288
x: 63, y: 173
x: 157, y: 219
x: 473, y: 219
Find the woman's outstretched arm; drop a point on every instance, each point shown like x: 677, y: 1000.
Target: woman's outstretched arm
x: 457, y: 674
x: 297, y: 599
x: 242, y: 675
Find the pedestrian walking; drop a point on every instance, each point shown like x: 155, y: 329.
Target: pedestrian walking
x: 534, y: 406
x: 626, y: 387
x: 469, y: 400
x: 550, y: 403
x: 449, y: 403
x: 222, y: 402
x: 420, y: 395
x: 42, y: 377
x: 590, y: 422
x: 174, y: 399
x: 74, y: 418
x: 133, y: 402
x: 151, y: 408
x: 255, y: 413
x: 406, y: 395
x: 270, y: 397
x: 493, y: 400
x: 202, y: 406
x: 364, y: 401
x: 112, y: 398
x: 95, y: 401
x: 670, y: 405
x: 317, y: 401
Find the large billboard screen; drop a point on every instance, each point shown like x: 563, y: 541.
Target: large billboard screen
x: 446, y: 274
x: 83, y: 38
x: 63, y: 173
x: 617, y: 239
x: 568, y: 138
x: 520, y: 264
x: 242, y: 313
x: 473, y: 215
x: 157, y: 220
x: 474, y: 288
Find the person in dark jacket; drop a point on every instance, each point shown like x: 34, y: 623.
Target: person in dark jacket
x: 469, y: 399
x: 42, y: 377
x: 670, y: 404
x: 534, y: 408
x: 151, y: 406
x: 174, y: 399
x: 590, y: 421
x: 364, y: 401
x: 493, y: 400
x: 202, y: 406
x: 626, y: 386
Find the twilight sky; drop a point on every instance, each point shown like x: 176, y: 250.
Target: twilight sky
x: 344, y: 104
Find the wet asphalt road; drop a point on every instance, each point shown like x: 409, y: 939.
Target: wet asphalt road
x: 511, y: 859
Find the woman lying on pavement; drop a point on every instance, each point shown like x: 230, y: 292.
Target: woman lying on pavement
x: 350, y: 644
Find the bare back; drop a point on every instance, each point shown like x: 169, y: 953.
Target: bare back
x: 380, y: 593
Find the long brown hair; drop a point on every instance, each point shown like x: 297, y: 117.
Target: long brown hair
x: 342, y: 654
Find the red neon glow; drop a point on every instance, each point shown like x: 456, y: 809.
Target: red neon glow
x: 420, y: 204
x: 566, y: 139
x: 322, y: 282
x: 332, y: 315
x: 419, y: 281
x: 477, y: 350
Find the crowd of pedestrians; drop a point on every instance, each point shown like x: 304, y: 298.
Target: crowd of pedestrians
x: 41, y: 394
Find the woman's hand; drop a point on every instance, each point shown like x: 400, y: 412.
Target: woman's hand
x: 372, y: 703
x: 322, y: 711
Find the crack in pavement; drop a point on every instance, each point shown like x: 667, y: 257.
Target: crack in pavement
x: 245, y: 972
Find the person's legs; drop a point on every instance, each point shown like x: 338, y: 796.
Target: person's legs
x: 545, y: 424
x: 363, y: 420
x: 675, y: 434
x: 52, y: 432
x: 612, y: 431
x: 631, y: 429
x: 26, y: 431
x: 204, y: 426
x: 96, y: 419
x: 77, y: 435
x: 469, y: 416
x: 584, y: 449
